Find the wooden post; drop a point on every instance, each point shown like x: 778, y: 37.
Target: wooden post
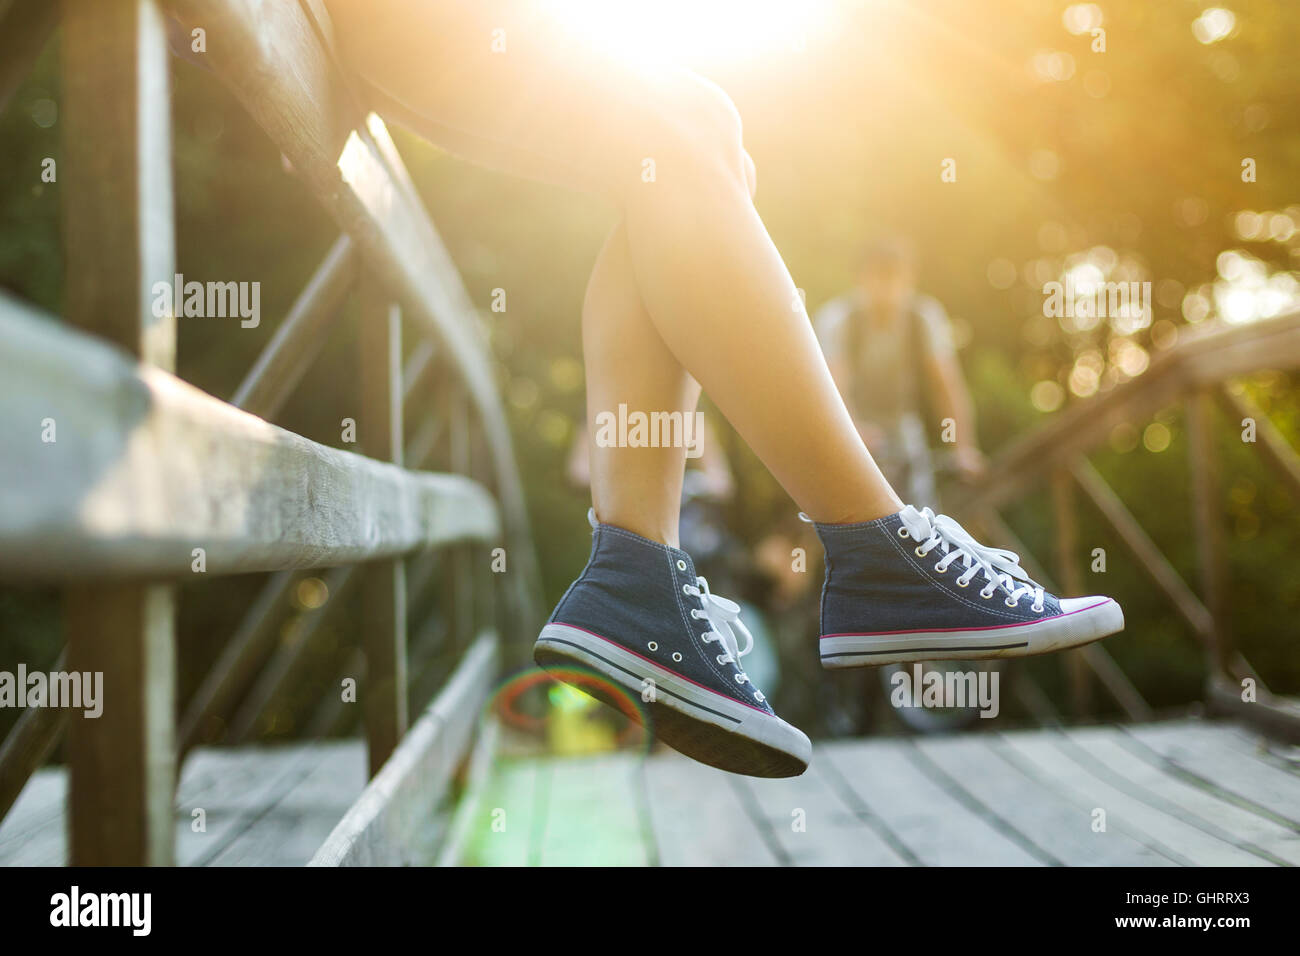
x: 384, y: 587
x: 486, y: 593
x: 1208, y: 520
x: 1071, y: 577
x: 119, y: 241
x: 462, y: 570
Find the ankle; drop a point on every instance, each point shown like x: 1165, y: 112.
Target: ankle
x: 659, y: 531
x: 859, y: 512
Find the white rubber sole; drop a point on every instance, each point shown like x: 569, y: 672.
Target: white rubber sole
x: 560, y: 644
x: 1081, y: 621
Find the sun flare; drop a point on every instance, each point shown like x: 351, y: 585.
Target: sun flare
x: 693, y: 30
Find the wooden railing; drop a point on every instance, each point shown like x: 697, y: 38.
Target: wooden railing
x: 1196, y: 373
x: 150, y: 481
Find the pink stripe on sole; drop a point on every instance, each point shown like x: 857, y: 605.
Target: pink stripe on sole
x: 963, y: 630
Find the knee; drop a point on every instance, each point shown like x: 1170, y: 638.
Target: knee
x: 693, y: 130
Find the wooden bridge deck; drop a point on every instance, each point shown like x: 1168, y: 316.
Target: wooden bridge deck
x: 263, y: 806
x: 1185, y: 793
x: 1188, y: 793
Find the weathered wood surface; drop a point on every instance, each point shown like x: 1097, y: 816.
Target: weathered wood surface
x: 146, y: 468
x: 1186, y: 792
x: 391, y: 823
x: 118, y: 239
x: 383, y: 597
x: 261, y: 806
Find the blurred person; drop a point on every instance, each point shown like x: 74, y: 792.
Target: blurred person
x: 890, y: 350
x: 688, y: 289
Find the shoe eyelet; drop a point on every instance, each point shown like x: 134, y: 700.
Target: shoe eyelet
x: 902, y: 533
x: 986, y: 597
x: 740, y: 678
x: 919, y: 553
x: 940, y: 569
x: 719, y: 659
x: 676, y: 656
x: 962, y: 584
x: 686, y: 589
x: 681, y: 565
x: 1010, y: 603
x: 653, y: 646
x: 1037, y: 608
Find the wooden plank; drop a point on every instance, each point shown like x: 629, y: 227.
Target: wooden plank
x: 1038, y: 812
x: 507, y: 829
x: 262, y: 806
x: 1208, y: 524
x: 146, y: 468
x: 301, y: 812
x: 382, y: 824
x: 1231, y: 822
x: 294, y: 346
x: 270, y: 56
x: 478, y: 772
x: 233, y: 788
x: 1070, y: 573
x: 1216, y: 756
x: 118, y: 242
x: 1040, y: 756
x: 593, y: 813
x: 935, y: 826
x: 383, y: 595
x: 33, y: 834
x: 813, y: 826
x: 1272, y: 713
x: 695, y: 819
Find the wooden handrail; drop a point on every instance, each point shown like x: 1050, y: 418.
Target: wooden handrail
x: 1205, y: 354
x: 171, y: 469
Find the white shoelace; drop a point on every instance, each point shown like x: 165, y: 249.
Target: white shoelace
x: 724, y: 620
x: 1001, y: 568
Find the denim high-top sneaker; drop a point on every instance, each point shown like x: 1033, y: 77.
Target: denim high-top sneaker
x: 916, y: 586
x: 640, y: 617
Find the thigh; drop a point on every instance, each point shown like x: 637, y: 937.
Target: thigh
x: 505, y: 83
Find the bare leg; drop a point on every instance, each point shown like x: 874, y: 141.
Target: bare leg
x: 627, y: 362
x: 666, y: 146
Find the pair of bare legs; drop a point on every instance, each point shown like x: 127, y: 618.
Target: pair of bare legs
x: 688, y: 287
